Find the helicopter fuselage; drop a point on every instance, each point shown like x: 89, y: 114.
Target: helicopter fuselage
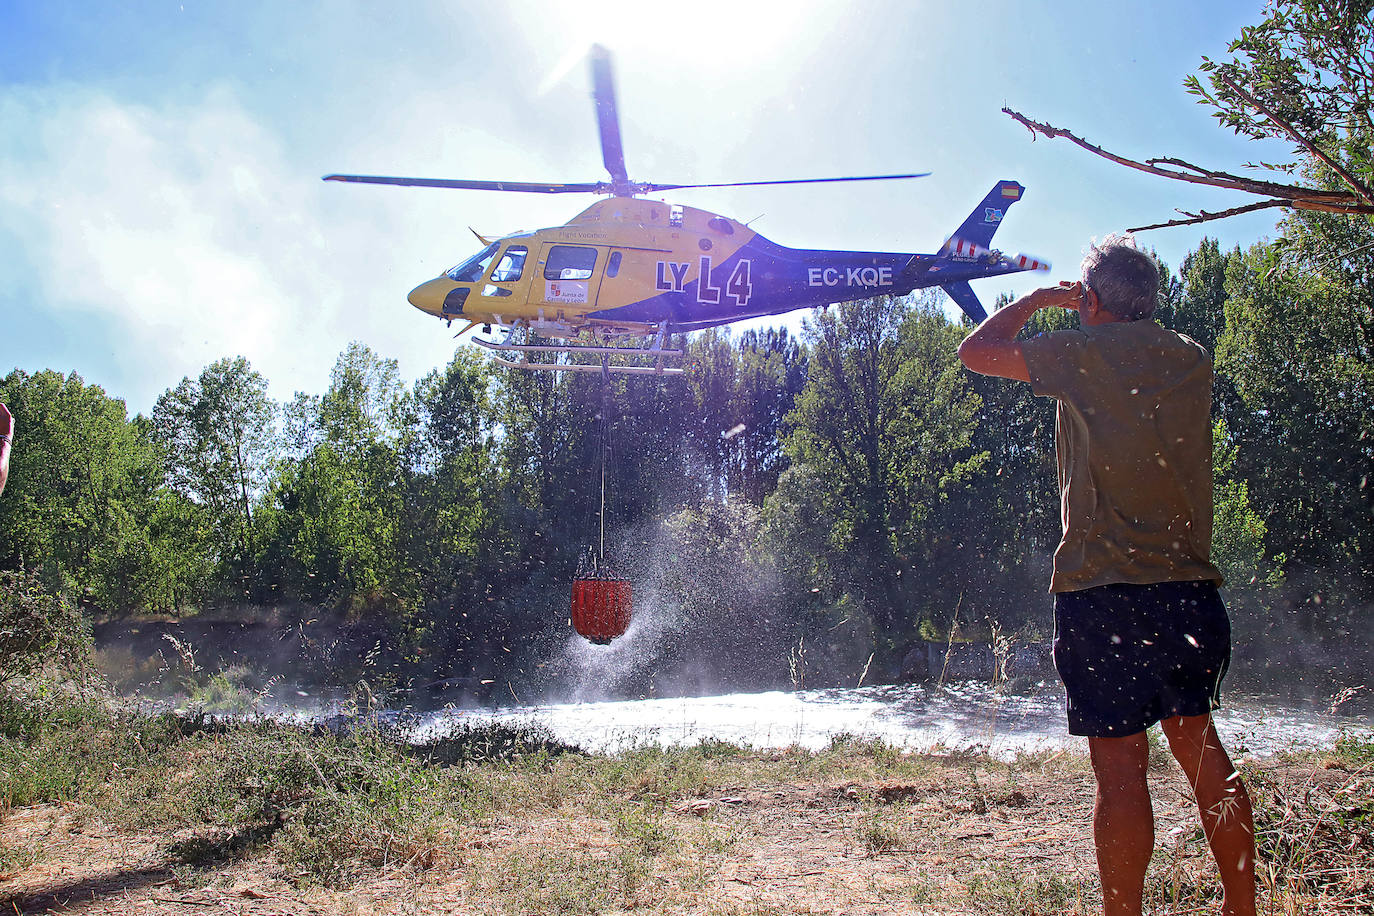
x: 632, y: 266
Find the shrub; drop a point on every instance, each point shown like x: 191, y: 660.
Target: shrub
x: 40, y: 632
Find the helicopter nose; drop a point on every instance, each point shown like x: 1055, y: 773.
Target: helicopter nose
x: 429, y: 296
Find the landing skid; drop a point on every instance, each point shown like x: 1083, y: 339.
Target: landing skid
x: 655, y: 352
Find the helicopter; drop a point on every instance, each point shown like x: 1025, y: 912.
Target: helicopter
x: 631, y: 267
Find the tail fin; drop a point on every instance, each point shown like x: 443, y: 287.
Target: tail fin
x: 987, y: 216
x: 973, y: 239
x: 966, y: 299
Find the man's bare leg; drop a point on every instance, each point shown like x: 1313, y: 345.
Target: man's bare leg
x: 1223, y: 804
x: 1123, y: 821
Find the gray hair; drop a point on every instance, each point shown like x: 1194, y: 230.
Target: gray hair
x: 1125, y: 278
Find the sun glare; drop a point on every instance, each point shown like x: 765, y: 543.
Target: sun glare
x: 733, y: 37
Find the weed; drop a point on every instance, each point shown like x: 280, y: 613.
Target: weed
x: 1354, y: 751
x: 491, y: 743
x: 231, y: 690
x: 14, y: 860
x: 574, y: 882
x: 881, y: 752
x: 1005, y: 889
x: 1161, y: 758
x: 879, y: 837
x: 41, y: 633
x: 714, y: 747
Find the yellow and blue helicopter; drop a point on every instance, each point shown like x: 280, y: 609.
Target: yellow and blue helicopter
x: 633, y: 267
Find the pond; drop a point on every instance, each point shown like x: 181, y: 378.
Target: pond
x: 919, y: 717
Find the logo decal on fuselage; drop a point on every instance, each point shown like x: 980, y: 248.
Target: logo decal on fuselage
x: 565, y: 291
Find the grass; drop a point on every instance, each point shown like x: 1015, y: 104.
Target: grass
x: 1314, y: 833
x: 531, y: 825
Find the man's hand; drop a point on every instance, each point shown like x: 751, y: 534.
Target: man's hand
x: 992, y: 348
x: 1065, y: 295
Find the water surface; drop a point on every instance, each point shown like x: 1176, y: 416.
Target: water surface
x: 918, y: 717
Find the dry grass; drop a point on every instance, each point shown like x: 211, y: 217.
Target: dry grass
x: 263, y: 820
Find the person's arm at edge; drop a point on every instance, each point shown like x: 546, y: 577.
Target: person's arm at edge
x: 7, y: 428
x: 992, y: 348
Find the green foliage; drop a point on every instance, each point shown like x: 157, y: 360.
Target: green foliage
x: 1238, y: 532
x: 1307, y: 63
x: 834, y: 498
x: 885, y: 426
x: 79, y: 490
x: 40, y: 632
x: 334, y: 526
x: 1296, y: 348
x: 742, y: 393
x: 218, y: 440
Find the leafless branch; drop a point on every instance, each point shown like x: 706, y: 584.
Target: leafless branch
x: 1203, y: 216
x: 1282, y: 195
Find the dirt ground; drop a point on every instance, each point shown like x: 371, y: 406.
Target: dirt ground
x: 966, y: 839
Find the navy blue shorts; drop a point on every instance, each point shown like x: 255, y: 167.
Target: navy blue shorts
x: 1130, y: 655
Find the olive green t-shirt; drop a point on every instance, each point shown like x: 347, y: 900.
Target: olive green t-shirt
x: 1133, y: 435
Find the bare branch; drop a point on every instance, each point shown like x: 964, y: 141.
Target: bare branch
x: 1282, y: 195
x: 1203, y: 216
x: 1358, y: 186
x: 1207, y: 176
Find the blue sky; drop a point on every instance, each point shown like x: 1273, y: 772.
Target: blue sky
x: 160, y: 195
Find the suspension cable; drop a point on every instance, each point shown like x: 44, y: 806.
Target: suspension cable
x: 605, y: 449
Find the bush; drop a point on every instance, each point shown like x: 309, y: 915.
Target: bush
x: 40, y: 632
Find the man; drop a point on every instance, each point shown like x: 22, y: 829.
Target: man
x: 1141, y: 634
x: 6, y: 438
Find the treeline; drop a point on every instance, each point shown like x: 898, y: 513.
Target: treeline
x: 789, y: 508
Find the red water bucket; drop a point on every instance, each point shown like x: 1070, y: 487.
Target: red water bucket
x: 600, y: 608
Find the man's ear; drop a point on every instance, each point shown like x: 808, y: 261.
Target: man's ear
x: 1091, y: 303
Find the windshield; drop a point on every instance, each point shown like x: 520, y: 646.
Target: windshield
x: 471, y: 270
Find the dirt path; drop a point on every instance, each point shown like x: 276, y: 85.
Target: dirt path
x: 965, y: 839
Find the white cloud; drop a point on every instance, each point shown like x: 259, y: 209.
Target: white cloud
x: 186, y: 234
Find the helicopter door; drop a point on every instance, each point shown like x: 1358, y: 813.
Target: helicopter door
x: 508, y: 280
x: 569, y: 278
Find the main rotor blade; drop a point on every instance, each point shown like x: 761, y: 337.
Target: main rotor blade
x: 607, y: 118
x: 528, y: 186
x: 648, y: 186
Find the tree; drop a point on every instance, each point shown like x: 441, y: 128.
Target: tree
x: 1297, y: 350
x: 1016, y: 490
x: 884, y: 426
x: 337, y: 503
x: 218, y: 438
x: 80, y: 491
x: 1303, y: 75
x: 772, y: 373
x: 452, y: 483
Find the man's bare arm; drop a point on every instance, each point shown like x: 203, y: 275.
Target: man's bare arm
x: 992, y: 348
x: 7, y: 432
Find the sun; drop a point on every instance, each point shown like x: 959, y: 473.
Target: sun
x: 734, y: 37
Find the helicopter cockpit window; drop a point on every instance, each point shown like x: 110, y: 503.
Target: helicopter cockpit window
x: 511, y: 265
x: 570, y: 262
x: 471, y: 270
